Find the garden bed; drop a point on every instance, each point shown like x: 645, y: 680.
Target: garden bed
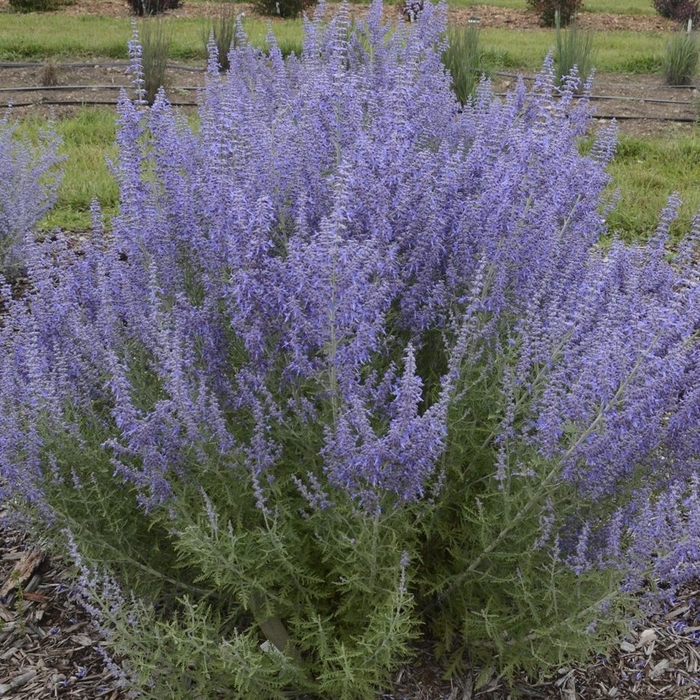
x: 642, y: 104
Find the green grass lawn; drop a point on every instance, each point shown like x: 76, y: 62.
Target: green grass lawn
x: 647, y: 171
x: 62, y: 36
x: 88, y: 141
x: 31, y: 37
x: 621, y: 7
x: 615, y: 52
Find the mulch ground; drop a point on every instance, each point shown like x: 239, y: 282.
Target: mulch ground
x: 48, y: 646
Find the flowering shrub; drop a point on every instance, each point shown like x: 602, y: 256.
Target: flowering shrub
x: 353, y: 364
x: 28, y: 183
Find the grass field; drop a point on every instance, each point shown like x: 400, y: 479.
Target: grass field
x: 51, y: 35
x: 88, y: 143
x: 616, y: 52
x: 647, y: 171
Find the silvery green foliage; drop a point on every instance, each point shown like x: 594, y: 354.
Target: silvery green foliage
x: 333, y: 327
x: 28, y: 183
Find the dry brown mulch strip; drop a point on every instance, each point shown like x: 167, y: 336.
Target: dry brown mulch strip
x: 489, y: 17
x: 48, y: 647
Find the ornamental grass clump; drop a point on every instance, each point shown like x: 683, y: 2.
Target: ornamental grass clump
x: 148, y: 51
x: 352, y: 367
x: 463, y: 58
x: 681, y: 58
x: 573, y: 53
x: 222, y: 30
x: 29, y: 179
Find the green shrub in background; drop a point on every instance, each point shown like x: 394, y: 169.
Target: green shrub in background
x: 463, y: 59
x: 548, y: 10
x: 32, y: 5
x: 152, y: 7
x: 678, y: 10
x: 283, y: 8
x: 681, y: 58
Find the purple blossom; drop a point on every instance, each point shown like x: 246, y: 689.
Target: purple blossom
x: 262, y: 310
x: 402, y: 459
x: 29, y: 178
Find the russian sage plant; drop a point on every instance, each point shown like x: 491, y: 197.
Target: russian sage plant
x: 351, y: 366
x: 28, y: 183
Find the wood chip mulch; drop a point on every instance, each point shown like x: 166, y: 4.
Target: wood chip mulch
x: 48, y: 647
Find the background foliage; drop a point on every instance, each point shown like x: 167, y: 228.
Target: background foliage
x: 549, y: 10
x: 283, y: 8
x: 152, y: 7
x: 32, y: 5
x: 679, y: 10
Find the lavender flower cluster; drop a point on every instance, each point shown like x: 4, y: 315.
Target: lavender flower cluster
x: 29, y: 182
x: 286, y: 265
